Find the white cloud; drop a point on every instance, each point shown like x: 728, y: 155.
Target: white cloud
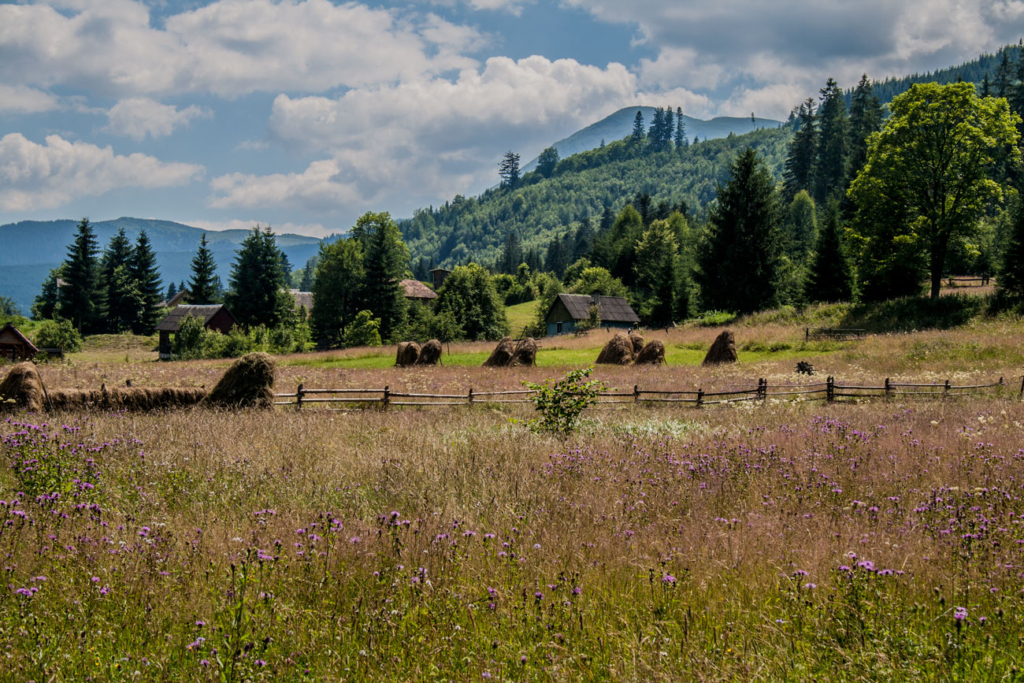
x: 229, y: 47
x: 34, y: 176
x: 410, y: 143
x: 137, y: 117
x: 19, y: 99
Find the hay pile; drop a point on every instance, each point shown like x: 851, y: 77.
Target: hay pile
x: 128, y: 398
x: 430, y: 354
x: 501, y: 354
x: 249, y: 382
x: 525, y: 354
x: 408, y: 354
x: 618, y: 351
x: 22, y: 389
x: 722, y: 351
x: 638, y: 343
x: 651, y: 354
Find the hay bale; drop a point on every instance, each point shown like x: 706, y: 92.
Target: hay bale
x: 722, y: 351
x: 140, y: 399
x: 430, y: 354
x: 618, y: 351
x: 638, y: 343
x: 501, y: 354
x: 525, y: 354
x: 408, y: 354
x: 22, y: 389
x: 651, y: 354
x: 249, y: 382
x: 74, y: 399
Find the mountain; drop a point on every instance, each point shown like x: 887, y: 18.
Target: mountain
x: 33, y: 248
x: 620, y: 125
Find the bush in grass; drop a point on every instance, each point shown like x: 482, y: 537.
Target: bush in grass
x: 363, y: 331
x: 561, y: 402
x: 190, y: 339
x: 59, y: 334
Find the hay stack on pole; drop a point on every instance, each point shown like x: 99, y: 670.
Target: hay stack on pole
x: 501, y: 354
x: 408, y: 354
x: 525, y: 354
x: 723, y: 350
x: 638, y: 343
x: 618, y: 351
x: 651, y: 354
x: 248, y: 383
x: 430, y: 354
x: 22, y: 389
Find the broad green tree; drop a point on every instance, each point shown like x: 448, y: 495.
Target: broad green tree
x: 547, y: 161
x: 934, y: 160
x: 741, y: 251
x: 337, y: 290
x: 469, y: 296
x: 82, y: 299
x: 830, y: 277
x: 258, y: 294
x: 204, y: 286
x: 147, y: 281
x: 597, y: 280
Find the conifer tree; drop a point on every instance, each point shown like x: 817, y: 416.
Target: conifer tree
x: 670, y: 128
x: 584, y: 240
x: 803, y: 149
x: 172, y: 291
x: 385, y: 259
x: 830, y: 278
x: 204, y: 286
x: 258, y: 294
x: 82, y: 299
x: 637, y: 137
x: 865, y: 119
x: 337, y: 290
x: 986, y: 87
x: 511, y: 253
x: 1011, y: 272
x: 547, y: 161
x: 680, y: 133
x: 830, y: 169
x: 801, y: 227
x: 46, y: 305
x: 146, y: 278
x: 656, y: 133
x: 508, y: 170
x: 741, y: 252
x: 122, y: 292
x: 1004, y: 73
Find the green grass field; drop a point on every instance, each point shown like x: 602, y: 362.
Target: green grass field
x: 521, y: 315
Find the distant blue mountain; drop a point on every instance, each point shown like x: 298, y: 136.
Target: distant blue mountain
x: 32, y: 248
x: 620, y: 124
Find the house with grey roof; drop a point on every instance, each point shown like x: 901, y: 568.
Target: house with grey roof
x: 568, y: 310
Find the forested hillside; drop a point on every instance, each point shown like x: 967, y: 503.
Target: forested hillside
x: 580, y: 188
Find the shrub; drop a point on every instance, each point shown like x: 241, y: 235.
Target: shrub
x: 59, y: 334
x: 363, y: 331
x: 561, y: 402
x: 190, y: 339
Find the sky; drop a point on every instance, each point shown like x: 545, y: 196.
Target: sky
x: 304, y: 114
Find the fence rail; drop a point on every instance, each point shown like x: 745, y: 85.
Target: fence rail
x: 830, y: 391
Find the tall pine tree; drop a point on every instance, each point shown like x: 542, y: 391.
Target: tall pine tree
x: 385, y: 258
x: 258, y: 289
x: 122, y: 292
x: 803, y: 150
x: 830, y: 169
x: 204, y: 286
x: 1011, y: 273
x: 337, y: 290
x: 1004, y: 75
x: 637, y: 137
x: 740, y: 255
x: 82, y: 299
x: 147, y: 278
x: 680, y: 132
x: 865, y: 119
x: 830, y: 278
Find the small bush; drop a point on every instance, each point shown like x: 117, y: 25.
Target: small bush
x: 364, y: 331
x: 59, y: 334
x: 190, y: 339
x: 561, y: 402
x: 715, y: 318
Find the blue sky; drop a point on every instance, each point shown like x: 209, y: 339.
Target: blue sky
x: 305, y: 113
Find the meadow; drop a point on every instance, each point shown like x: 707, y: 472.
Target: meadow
x: 875, y: 540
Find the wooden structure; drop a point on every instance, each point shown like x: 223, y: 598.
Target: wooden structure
x: 568, y: 310
x: 14, y: 346
x: 302, y: 300
x: 439, y: 275
x: 214, y: 317
x: 415, y: 290
x: 176, y: 300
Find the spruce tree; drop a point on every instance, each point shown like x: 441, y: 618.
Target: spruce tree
x: 204, y: 286
x: 637, y: 137
x: 122, y: 292
x: 801, y: 228
x: 830, y: 278
x: 337, y: 290
x: 584, y: 240
x: 740, y: 255
x: 830, y: 169
x: 82, y: 299
x: 509, y: 171
x: 865, y: 119
x: 258, y: 294
x: 46, y: 304
x: 986, y: 87
x: 144, y: 272
x: 172, y: 291
x: 803, y: 149
x: 670, y: 128
x: 385, y: 258
x: 680, y: 133
x: 1011, y: 272
x: 656, y: 133
x: 1004, y: 73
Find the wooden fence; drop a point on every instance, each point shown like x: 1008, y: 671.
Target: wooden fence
x: 829, y: 391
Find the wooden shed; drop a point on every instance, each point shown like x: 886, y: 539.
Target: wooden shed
x: 15, y: 346
x: 417, y: 291
x: 569, y: 309
x: 214, y: 317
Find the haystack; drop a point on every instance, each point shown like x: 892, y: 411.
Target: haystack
x: 525, y: 354
x: 618, y: 351
x: 126, y: 398
x: 22, y: 389
x: 722, y: 351
x: 501, y: 354
x: 638, y: 343
x: 249, y: 382
x: 430, y: 354
x: 408, y: 354
x: 651, y: 354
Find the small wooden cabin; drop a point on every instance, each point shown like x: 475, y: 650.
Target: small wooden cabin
x: 214, y: 317
x: 439, y: 275
x: 569, y: 309
x: 415, y: 290
x: 14, y: 346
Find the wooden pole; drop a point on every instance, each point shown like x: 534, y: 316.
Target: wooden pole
x: 636, y: 393
x: 471, y: 396
x: 387, y: 397
x: 830, y: 389
x: 700, y: 398
x: 298, y: 397
x: 946, y: 389
x: 888, y: 389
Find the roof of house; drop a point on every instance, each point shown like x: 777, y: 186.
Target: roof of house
x: 414, y: 289
x: 10, y: 329
x: 612, y: 309
x: 302, y: 299
x: 440, y: 270
x: 176, y: 300
x: 175, y: 317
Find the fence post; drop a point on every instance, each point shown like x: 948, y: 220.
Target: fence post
x: 830, y: 389
x: 807, y: 334
x: 471, y: 396
x: 946, y: 389
x: 762, y: 389
x: 700, y: 398
x: 636, y: 393
x: 387, y: 397
x: 888, y: 389
x: 298, y: 397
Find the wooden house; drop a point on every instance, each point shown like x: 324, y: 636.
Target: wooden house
x: 568, y: 310
x: 439, y: 275
x: 214, y: 317
x: 415, y: 290
x: 14, y: 346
